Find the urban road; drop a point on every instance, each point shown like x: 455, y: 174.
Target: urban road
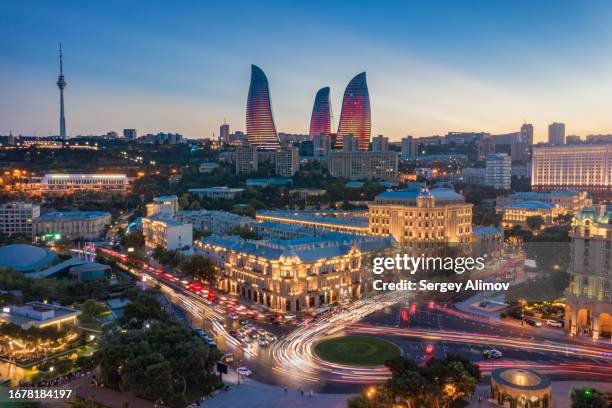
x: 428, y: 331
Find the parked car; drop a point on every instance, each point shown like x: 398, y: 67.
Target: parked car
x: 227, y: 358
x: 244, y: 371
x: 492, y: 353
x: 554, y: 323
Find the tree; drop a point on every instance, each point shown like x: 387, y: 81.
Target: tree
x: 244, y: 232
x: 134, y: 239
x: 200, y: 267
x: 535, y: 222
x: 587, y: 398
x: 89, y: 311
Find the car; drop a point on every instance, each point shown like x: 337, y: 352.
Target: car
x: 263, y: 343
x: 244, y: 371
x: 492, y: 354
x: 533, y: 323
x: 227, y: 358
x: 243, y: 322
x: 429, y: 348
x: 290, y: 317
x: 270, y: 337
x: 233, y: 316
x: 554, y: 323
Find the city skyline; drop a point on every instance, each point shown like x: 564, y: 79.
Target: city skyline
x: 420, y: 83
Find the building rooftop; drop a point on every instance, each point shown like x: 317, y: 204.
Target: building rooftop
x: 531, y: 205
x: 306, y: 249
x: 437, y: 193
x: 303, y: 216
x: 215, y: 189
x: 537, y: 194
x: 26, y: 258
x: 72, y: 215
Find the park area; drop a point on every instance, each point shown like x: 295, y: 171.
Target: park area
x: 356, y: 350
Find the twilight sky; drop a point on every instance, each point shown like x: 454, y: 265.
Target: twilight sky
x: 184, y: 66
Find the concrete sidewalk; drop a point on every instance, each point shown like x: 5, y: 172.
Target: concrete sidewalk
x: 252, y: 394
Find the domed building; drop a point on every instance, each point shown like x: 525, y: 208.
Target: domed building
x: 26, y: 258
x: 521, y: 388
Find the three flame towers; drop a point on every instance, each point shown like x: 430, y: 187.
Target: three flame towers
x: 355, y: 118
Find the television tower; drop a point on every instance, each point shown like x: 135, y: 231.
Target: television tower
x: 61, y: 84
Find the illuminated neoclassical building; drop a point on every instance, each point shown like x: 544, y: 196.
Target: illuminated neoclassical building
x: 588, y: 309
x: 320, y: 121
x: 519, y: 213
x: 355, y: 117
x: 261, y: 131
x: 427, y: 216
x: 288, y: 275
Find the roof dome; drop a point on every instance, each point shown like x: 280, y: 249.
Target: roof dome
x: 26, y: 258
x: 521, y: 377
x: 425, y: 193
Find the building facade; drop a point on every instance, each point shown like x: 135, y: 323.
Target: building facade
x: 163, y: 205
x: 320, y: 120
x: 436, y: 216
x: 567, y: 201
x: 287, y: 161
x: 288, y: 275
x: 166, y: 232
x: 217, y: 193
x: 380, y: 144
x: 245, y: 158
x: 519, y: 213
x: 556, y: 134
x: 217, y: 222
x: 409, y: 146
x: 72, y: 224
x: 576, y: 167
x: 69, y: 183
x: 363, y: 165
x: 588, y: 309
x: 18, y: 217
x: 261, y: 131
x: 498, y: 173
x: 355, y: 117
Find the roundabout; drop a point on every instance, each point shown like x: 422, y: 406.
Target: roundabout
x: 364, y: 351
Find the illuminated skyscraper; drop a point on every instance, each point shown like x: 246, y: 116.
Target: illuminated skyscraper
x: 61, y: 84
x: 261, y: 131
x: 355, y: 116
x: 320, y: 121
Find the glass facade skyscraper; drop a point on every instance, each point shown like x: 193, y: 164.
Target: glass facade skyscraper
x: 261, y: 131
x: 355, y: 118
x: 320, y: 121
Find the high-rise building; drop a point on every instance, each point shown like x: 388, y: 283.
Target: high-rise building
x: 261, y: 131
x: 287, y: 161
x: 358, y: 165
x: 556, y: 134
x: 350, y: 144
x: 575, y: 167
x: 16, y: 217
x: 380, y: 144
x: 321, y: 145
x: 526, y: 135
x: 573, y: 139
x: 498, y: 172
x: 245, y: 157
x: 320, y: 120
x: 224, y: 133
x: 409, y: 146
x: 355, y: 118
x: 485, y: 147
x: 588, y: 307
x: 61, y: 84
x: 130, y: 134
x: 520, y: 152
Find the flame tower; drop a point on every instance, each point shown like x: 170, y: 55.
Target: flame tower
x: 61, y: 84
x: 320, y: 121
x: 355, y: 118
x: 261, y: 131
